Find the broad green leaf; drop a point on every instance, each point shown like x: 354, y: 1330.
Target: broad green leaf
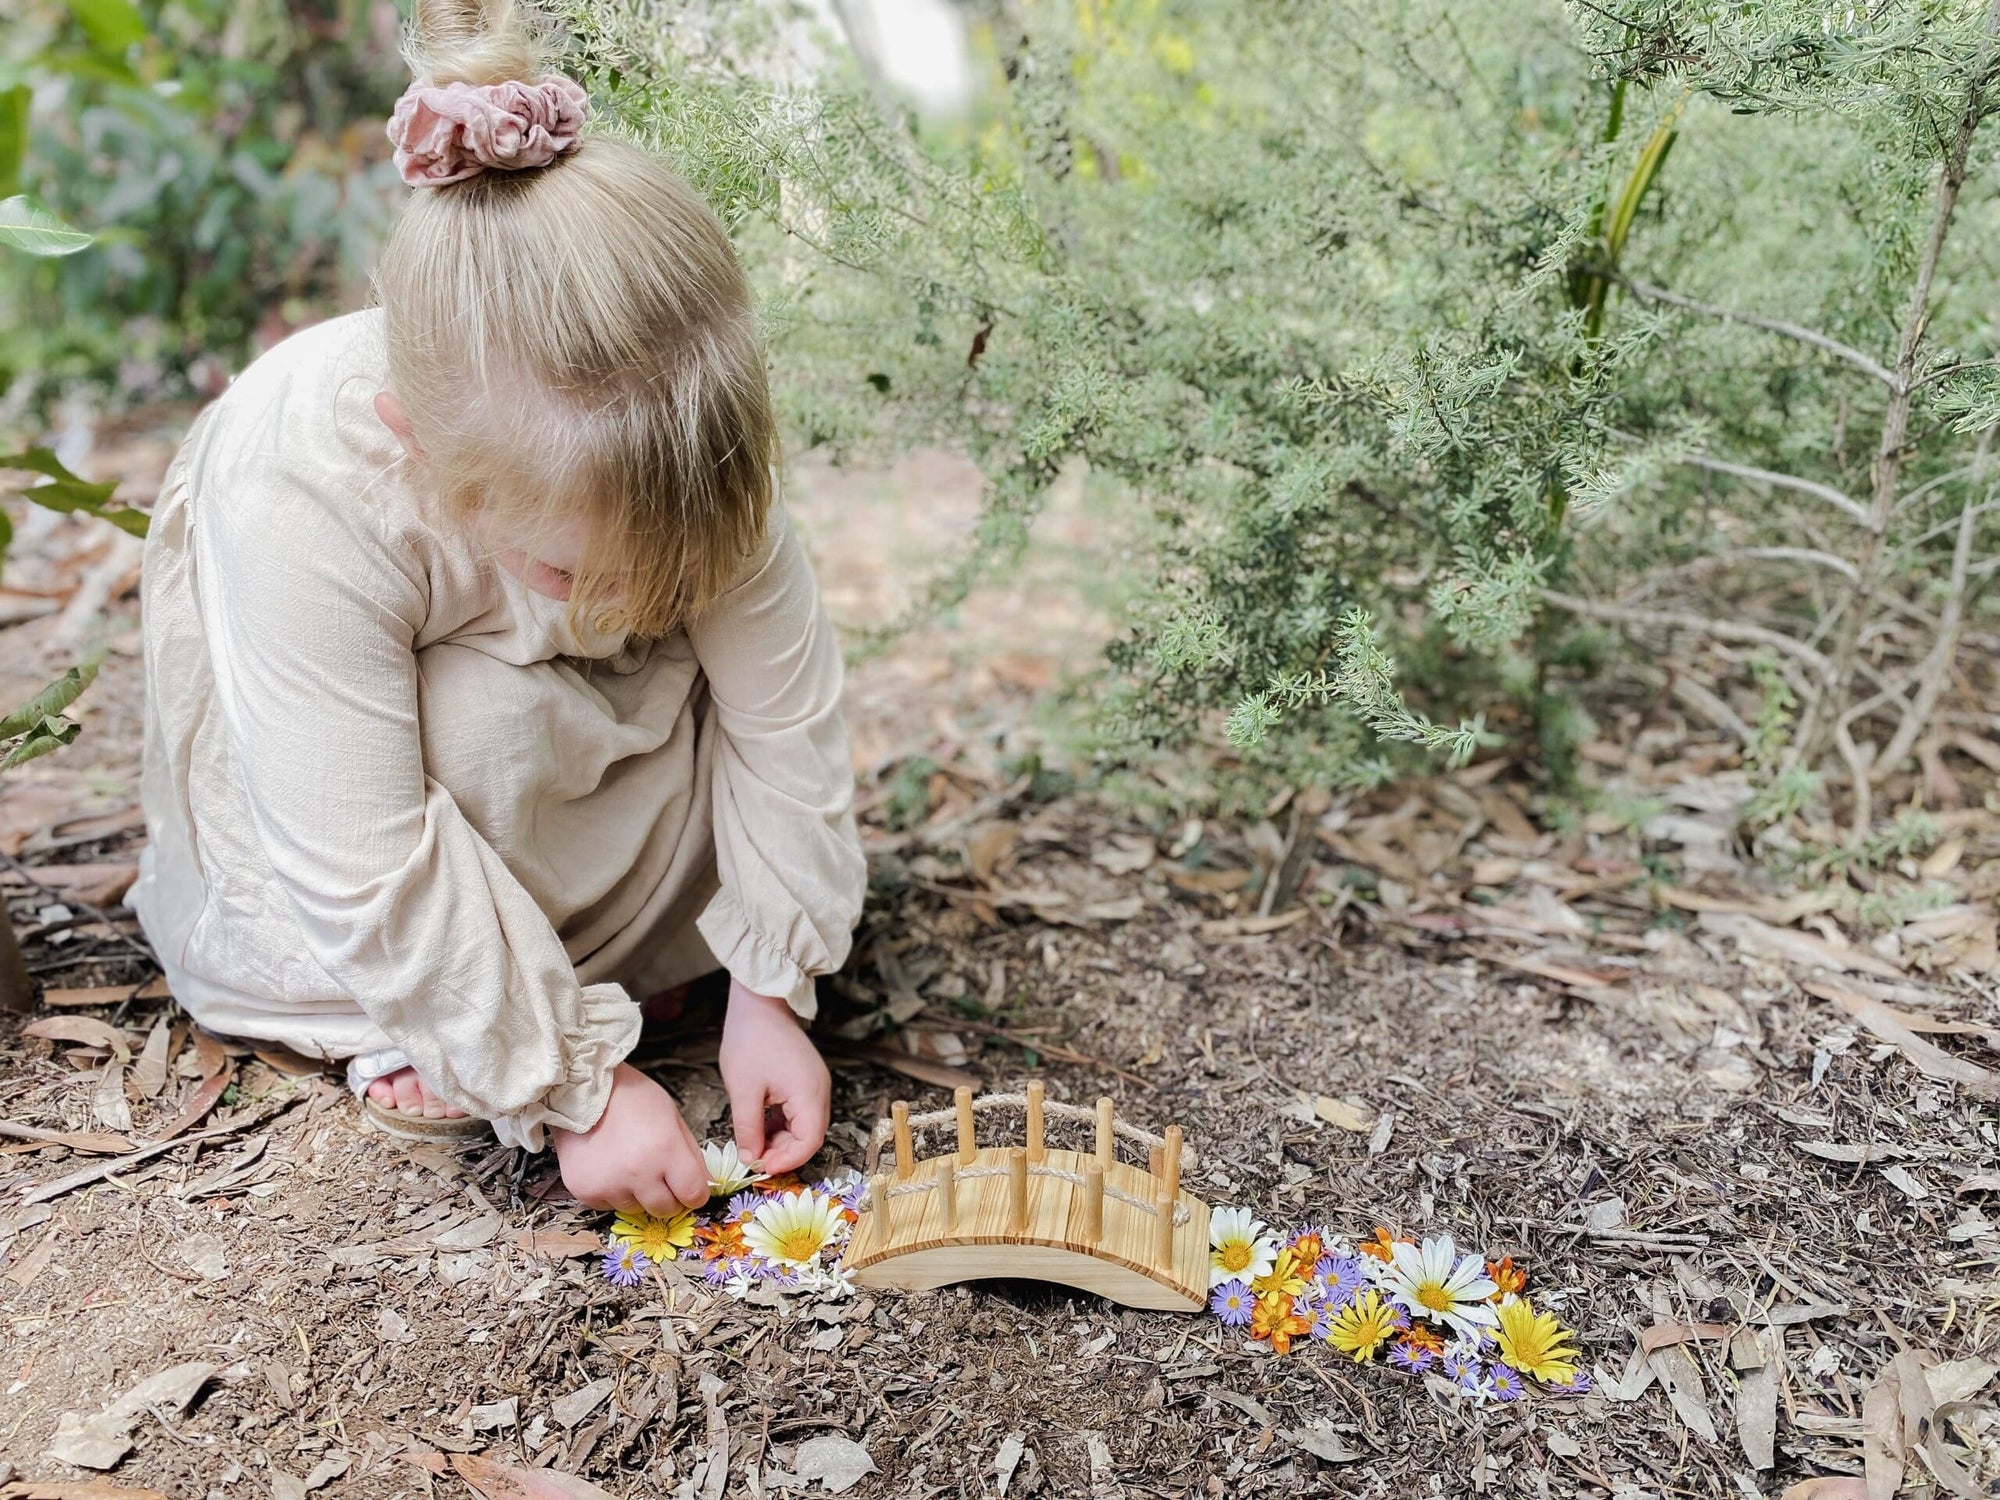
x: 112, y: 25
x: 66, y: 492
x: 48, y: 704
x: 13, y: 137
x: 50, y: 734
x: 67, y: 487
x: 26, y: 225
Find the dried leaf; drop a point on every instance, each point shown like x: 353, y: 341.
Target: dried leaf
x: 24, y: 1271
x: 88, y: 1030
x: 89, y: 1489
x: 1761, y: 940
x: 1893, y: 1414
x: 475, y: 1235
x: 1666, y: 1335
x: 1757, y: 1399
x: 503, y: 1482
x: 715, y: 1477
x: 1828, y: 1487
x: 1323, y: 1442
x: 560, y: 1244
x: 1005, y: 1461
x: 149, y: 1073
x: 581, y: 1402
x: 1680, y: 1377
x: 200, y: 1102
x: 1344, y: 1113
x: 838, y: 1463
x: 1931, y: 1061
x: 986, y: 849
x: 102, y: 1439
x: 107, y: 1100
x: 104, y: 994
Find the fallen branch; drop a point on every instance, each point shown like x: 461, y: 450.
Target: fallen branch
x: 84, y: 1176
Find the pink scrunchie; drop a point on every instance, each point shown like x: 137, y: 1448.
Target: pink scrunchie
x: 451, y: 132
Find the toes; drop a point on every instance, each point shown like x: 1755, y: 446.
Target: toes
x: 409, y: 1093
x: 380, y: 1091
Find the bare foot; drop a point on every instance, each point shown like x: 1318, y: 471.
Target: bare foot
x: 405, y: 1091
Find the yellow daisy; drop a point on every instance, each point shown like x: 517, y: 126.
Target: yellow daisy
x: 660, y: 1240
x: 1535, y: 1343
x: 1286, y: 1275
x: 1362, y: 1327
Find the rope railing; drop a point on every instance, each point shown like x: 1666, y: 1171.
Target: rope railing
x: 1168, y: 1155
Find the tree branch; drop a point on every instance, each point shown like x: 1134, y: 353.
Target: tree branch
x: 1666, y: 619
x: 1844, y: 503
x: 1833, y: 346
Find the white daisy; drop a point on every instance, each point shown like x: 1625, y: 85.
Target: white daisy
x: 727, y: 1171
x: 792, y: 1228
x: 1239, y: 1249
x: 1434, y: 1281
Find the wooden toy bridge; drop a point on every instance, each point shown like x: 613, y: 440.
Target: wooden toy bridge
x: 1086, y: 1220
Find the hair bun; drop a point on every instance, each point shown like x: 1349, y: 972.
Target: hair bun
x: 472, y: 41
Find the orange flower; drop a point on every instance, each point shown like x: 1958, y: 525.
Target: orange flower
x: 784, y: 1182
x: 1508, y: 1278
x: 1272, y: 1319
x: 1383, y: 1246
x: 1307, y: 1250
x: 721, y: 1241
x: 1422, y: 1336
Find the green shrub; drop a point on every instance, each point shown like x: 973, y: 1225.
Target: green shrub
x: 1339, y: 297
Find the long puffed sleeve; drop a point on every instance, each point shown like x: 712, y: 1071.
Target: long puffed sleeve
x: 311, y: 603
x: 789, y: 858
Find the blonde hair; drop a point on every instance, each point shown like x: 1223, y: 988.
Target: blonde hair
x: 577, y: 341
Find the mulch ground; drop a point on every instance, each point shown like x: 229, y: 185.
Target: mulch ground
x: 1742, y: 1133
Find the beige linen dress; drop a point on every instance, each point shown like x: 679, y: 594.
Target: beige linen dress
x: 394, y: 803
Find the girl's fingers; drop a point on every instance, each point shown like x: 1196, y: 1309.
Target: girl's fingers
x: 686, y: 1172
x: 746, y: 1117
x: 658, y: 1198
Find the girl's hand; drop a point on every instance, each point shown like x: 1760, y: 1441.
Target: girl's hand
x: 771, y: 1068
x: 640, y: 1153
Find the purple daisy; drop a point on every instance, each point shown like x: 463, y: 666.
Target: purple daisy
x: 1506, y: 1384
x: 1232, y: 1303
x: 1578, y: 1386
x: 625, y: 1265
x: 746, y: 1203
x: 1343, y: 1276
x: 1414, y: 1360
x: 1458, y: 1362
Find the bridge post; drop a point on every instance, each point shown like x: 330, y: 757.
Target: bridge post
x: 947, y: 1191
x: 1093, y: 1202
x: 1035, y: 1121
x: 899, y: 1112
x: 1163, y: 1211
x: 1107, y: 1141
x: 968, y: 1142
x: 1017, y: 1189
x: 1171, y: 1166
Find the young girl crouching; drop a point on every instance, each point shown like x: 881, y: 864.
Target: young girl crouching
x: 487, y: 685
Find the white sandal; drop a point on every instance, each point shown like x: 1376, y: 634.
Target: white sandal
x: 394, y: 1120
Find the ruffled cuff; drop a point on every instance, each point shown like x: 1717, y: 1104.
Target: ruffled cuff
x: 752, y: 959
x: 606, y: 1032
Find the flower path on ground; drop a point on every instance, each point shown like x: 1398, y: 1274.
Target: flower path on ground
x: 1423, y: 1307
